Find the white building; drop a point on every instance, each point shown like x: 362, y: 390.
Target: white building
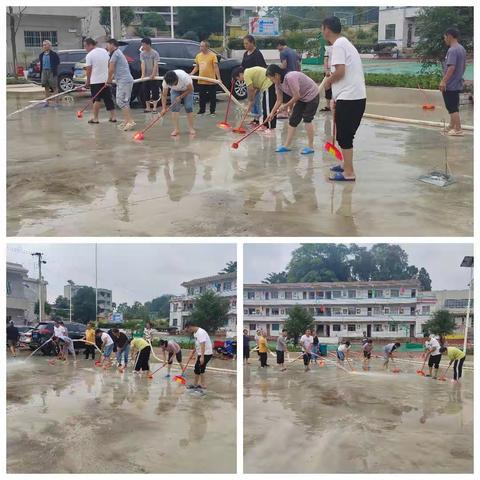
x: 397, y: 24
x: 382, y: 309
x: 455, y: 301
x: 22, y: 295
x: 224, y: 284
x: 104, y: 298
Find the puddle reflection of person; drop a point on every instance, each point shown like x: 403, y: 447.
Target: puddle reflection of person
x: 180, y: 173
x: 198, y: 424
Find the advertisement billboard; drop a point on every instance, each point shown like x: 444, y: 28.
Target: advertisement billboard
x: 263, y: 26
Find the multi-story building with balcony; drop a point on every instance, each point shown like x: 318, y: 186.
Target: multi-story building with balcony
x: 104, y: 298
x: 224, y: 284
x: 382, y: 309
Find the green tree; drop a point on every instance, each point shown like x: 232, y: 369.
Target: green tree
x: 362, y: 263
x: 299, y: 319
x: 83, y: 305
x: 61, y: 307
x: 315, y: 262
x: 126, y: 16
x: 272, y: 277
x: 202, y: 20
x: 161, y: 305
x: 288, y: 22
x: 142, y: 31
x: 154, y: 20
x: 424, y: 279
x: 431, y: 24
x: 47, y: 308
x: 231, y: 267
x: 190, y: 35
x: 391, y: 262
x: 441, y: 323
x: 210, y: 311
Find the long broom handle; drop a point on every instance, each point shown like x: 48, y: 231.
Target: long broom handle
x: 254, y: 130
x: 159, y: 117
x: 93, y: 98
x: 188, y: 361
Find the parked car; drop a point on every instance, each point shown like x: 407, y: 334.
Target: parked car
x: 25, y: 334
x: 175, y: 54
x: 68, y: 60
x: 43, y: 331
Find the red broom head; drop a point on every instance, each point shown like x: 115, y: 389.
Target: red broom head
x: 150, y: 376
x: 179, y: 379
x: 79, y: 114
x: 239, y: 130
x: 395, y: 370
x: 421, y: 372
x: 428, y: 106
x: 443, y: 379
x: 224, y: 125
x: 139, y: 136
x: 235, y: 145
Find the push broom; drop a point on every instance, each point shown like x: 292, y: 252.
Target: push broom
x: 443, y: 377
x: 225, y: 125
x: 426, y: 106
x: 180, y: 378
x: 237, y: 143
x: 421, y: 372
x: 90, y: 102
x: 330, y: 146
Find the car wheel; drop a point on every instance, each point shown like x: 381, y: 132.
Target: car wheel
x: 65, y: 83
x: 240, y: 90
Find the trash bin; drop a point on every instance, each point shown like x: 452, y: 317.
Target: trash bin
x: 323, y: 349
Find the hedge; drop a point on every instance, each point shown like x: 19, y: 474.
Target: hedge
x: 428, y: 82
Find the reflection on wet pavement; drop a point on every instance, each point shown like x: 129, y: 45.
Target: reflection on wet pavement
x: 66, y: 177
x: 329, y: 421
x: 66, y: 419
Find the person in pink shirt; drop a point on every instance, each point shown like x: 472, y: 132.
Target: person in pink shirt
x: 172, y: 348
x: 295, y: 90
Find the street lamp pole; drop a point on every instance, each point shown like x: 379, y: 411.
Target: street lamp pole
x: 39, y: 255
x: 172, y: 27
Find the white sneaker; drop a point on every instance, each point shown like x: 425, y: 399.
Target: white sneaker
x: 454, y: 133
x: 128, y: 126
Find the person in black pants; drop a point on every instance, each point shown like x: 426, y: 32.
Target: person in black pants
x: 246, y: 347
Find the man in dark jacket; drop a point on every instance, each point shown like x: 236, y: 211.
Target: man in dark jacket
x: 49, y: 61
x: 12, y: 337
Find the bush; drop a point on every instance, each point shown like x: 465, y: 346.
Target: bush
x: 190, y: 35
x: 17, y: 81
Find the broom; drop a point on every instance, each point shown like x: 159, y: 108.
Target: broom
x: 180, y: 378
x: 330, y: 146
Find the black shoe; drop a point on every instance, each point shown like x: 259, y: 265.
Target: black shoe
x: 192, y: 387
x: 200, y: 113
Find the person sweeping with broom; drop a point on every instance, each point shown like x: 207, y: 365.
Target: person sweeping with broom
x: 299, y: 93
x: 434, y: 356
x: 388, y: 353
x: 204, y: 352
x: 457, y: 357
x: 140, y: 355
x: 172, y: 348
x: 348, y: 92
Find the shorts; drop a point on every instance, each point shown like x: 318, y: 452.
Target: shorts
x: 434, y: 361
x: 186, y: 101
x: 105, y: 95
x: 12, y: 343
x: 123, y: 94
x: 367, y: 354
x: 304, y: 111
x: 199, y: 369
x: 246, y: 352
x: 48, y: 79
x: 341, y: 355
x: 107, y: 351
x: 280, y: 357
x: 348, y: 115
x: 451, y: 99
x: 178, y: 356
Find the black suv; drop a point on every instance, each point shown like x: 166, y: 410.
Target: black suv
x: 68, y: 59
x: 43, y: 331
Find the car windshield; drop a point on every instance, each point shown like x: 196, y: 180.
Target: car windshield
x: 42, y: 326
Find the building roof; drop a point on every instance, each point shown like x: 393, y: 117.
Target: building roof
x: 16, y: 267
x: 213, y: 278
x: 414, y: 283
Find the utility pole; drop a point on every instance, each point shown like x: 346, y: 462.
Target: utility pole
x: 224, y: 30
x: 96, y: 288
x: 71, y: 283
x: 41, y: 305
x: 115, y: 23
x: 172, y: 27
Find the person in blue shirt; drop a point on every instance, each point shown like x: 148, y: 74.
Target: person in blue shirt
x: 49, y: 61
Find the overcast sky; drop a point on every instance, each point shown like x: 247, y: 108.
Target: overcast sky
x: 441, y: 260
x: 133, y: 272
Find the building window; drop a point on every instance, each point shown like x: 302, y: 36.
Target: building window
x: 401, y: 310
x: 250, y: 295
x: 358, y: 311
x: 377, y: 327
x: 351, y: 310
x: 311, y: 295
x: 175, y: 307
x: 275, y: 311
x: 425, y: 309
x: 345, y: 311
x: 457, y: 303
x: 394, y: 292
x: 386, y: 310
x: 174, y: 322
x: 352, y: 294
x: 288, y: 295
x: 9, y: 288
x: 274, y: 294
x: 245, y: 311
x: 336, y: 294
x: 217, y: 287
x: 336, y: 328
x: 395, y: 310
x: 376, y: 310
x: 275, y: 327
x: 351, y: 328
x: 252, y: 326
x: 370, y: 294
x: 390, y: 31
x: 227, y: 285
x: 414, y: 293
x: 35, y: 38
x: 282, y: 311
x: 251, y: 311
x: 319, y: 294
x: 393, y: 328
x: 378, y: 293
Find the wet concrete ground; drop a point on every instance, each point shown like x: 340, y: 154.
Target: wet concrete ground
x: 66, y: 419
x: 68, y: 178
x: 329, y: 421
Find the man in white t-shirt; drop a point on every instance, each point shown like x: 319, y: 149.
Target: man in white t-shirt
x: 306, y: 341
x: 107, y: 346
x: 434, y: 356
x: 204, y: 352
x: 349, y: 95
x: 181, y: 92
x: 97, y: 75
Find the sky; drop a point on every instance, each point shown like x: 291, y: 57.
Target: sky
x: 132, y: 271
x: 442, y: 261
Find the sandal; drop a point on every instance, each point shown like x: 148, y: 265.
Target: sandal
x: 325, y: 109
x: 337, y: 168
x: 339, y: 177
x: 112, y: 120
x: 93, y: 122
